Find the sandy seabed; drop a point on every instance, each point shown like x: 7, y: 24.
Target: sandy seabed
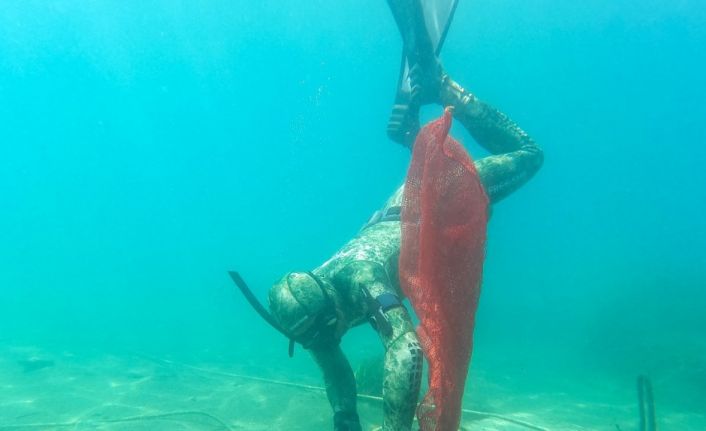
x: 43, y: 391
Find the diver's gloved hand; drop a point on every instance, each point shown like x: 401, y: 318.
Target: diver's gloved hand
x: 346, y: 421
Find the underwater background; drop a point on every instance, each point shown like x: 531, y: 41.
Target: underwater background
x: 148, y: 147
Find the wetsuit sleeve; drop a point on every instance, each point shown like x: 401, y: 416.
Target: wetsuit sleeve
x: 403, y: 354
x: 340, y: 386
x: 403, y: 372
x: 516, y: 157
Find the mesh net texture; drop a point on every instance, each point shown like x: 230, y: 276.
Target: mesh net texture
x: 444, y: 218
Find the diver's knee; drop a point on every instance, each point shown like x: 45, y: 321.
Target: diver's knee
x: 535, y: 156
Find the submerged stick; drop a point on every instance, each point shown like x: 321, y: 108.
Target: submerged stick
x: 646, y: 404
x: 641, y: 402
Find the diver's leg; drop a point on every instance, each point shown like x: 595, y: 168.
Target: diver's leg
x: 516, y: 157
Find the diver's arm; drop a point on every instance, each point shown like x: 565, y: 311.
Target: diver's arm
x: 403, y: 355
x: 340, y: 386
x: 516, y: 157
x: 403, y: 372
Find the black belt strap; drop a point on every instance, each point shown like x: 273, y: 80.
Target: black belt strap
x: 388, y: 301
x: 380, y: 305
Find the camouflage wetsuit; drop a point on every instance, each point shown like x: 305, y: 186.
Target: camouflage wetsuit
x: 367, y: 266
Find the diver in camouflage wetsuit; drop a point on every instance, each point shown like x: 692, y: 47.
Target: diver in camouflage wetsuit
x: 360, y: 282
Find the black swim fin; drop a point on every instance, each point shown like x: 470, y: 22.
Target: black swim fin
x: 403, y: 124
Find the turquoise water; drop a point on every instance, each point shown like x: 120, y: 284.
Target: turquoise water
x: 149, y: 147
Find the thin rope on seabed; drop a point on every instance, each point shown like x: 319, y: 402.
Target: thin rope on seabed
x: 477, y: 413
x: 220, y: 422
x: 137, y: 418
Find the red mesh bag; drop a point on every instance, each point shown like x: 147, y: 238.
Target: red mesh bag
x: 444, y: 218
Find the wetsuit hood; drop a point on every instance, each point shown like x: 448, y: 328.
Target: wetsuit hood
x: 301, y: 305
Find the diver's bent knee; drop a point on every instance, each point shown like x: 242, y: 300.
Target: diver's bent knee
x: 535, y: 157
